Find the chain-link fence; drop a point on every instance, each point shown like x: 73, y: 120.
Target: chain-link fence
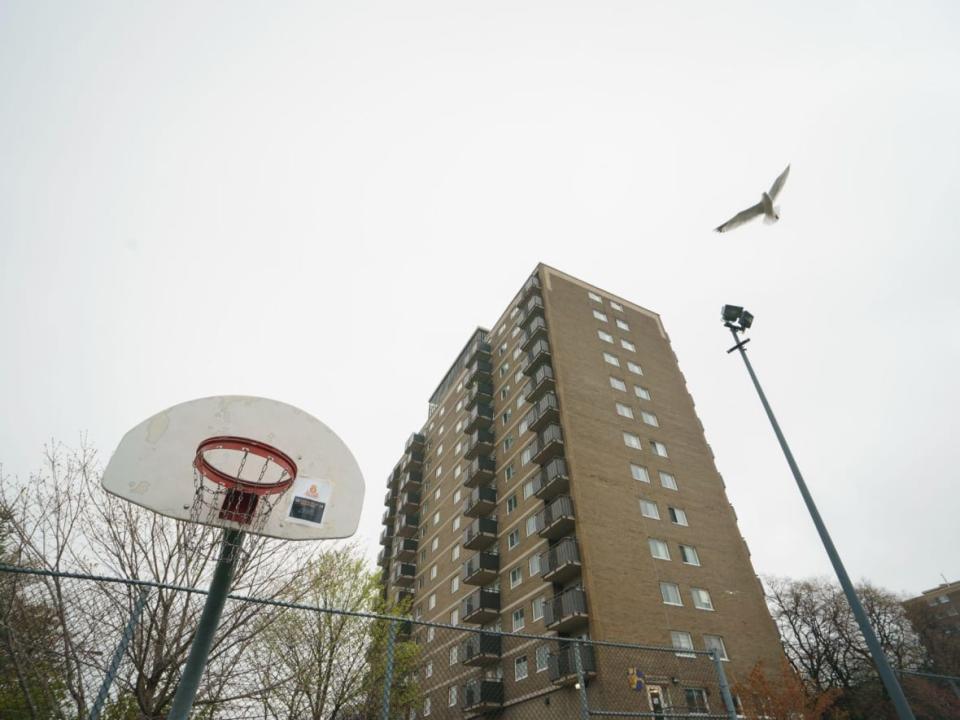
x: 81, y: 646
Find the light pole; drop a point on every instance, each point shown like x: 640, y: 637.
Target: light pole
x: 739, y: 320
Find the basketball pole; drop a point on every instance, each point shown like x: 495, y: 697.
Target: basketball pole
x: 182, y: 703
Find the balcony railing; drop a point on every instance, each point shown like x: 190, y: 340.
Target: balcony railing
x: 561, y: 563
x: 406, y: 525
x: 481, y: 569
x: 386, y: 536
x: 566, y: 610
x: 537, y: 354
x: 480, y: 443
x: 562, y: 665
x: 479, y: 349
x: 480, y: 370
x: 480, y: 471
x: 412, y: 460
x: 536, y: 330
x: 549, y: 444
x: 480, y: 534
x: 383, y: 557
x: 556, y: 519
x: 541, y: 383
x: 553, y: 479
x: 480, y: 606
x: 482, y: 501
x: 533, y: 307
x: 481, y: 392
x: 411, y: 481
x: 405, y: 549
x: 481, y: 696
x: 415, y: 442
x: 388, y: 515
x: 403, y: 574
x: 409, y: 502
x: 480, y: 417
x: 481, y: 649
x: 546, y: 411
x: 390, y: 497
x: 531, y: 286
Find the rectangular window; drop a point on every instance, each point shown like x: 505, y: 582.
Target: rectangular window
x: 678, y: 516
x: 659, y: 448
x: 439, y: 452
x: 516, y: 577
x: 659, y: 549
x: 457, y: 495
x: 624, y: 411
x: 593, y: 296
x: 531, y: 525
x: 616, y: 306
x: 432, y: 601
x: 600, y: 316
x: 457, y: 470
x: 521, y: 400
x: 426, y: 701
x: 701, y: 599
x: 649, y: 418
x: 433, y: 572
x: 627, y: 345
x: 681, y: 641
x: 431, y: 631
x: 534, y: 566
x: 518, y: 621
x: 527, y: 453
x: 453, y: 655
x: 423, y: 555
x: 635, y: 369
x: 455, y: 553
x: 641, y: 393
x: 504, y: 369
x: 689, y: 555
x: 507, y: 443
x: 696, y: 699
x: 618, y: 384
x: 518, y: 377
x: 611, y: 359
x: 537, y: 608
x: 439, y: 470
x: 668, y: 481
x: 513, y: 539
x: 670, y: 592
x: 529, y: 488
x: 508, y: 473
x: 454, y: 583
x: 715, y: 642
x: 436, y: 518
x: 631, y: 441
x: 639, y: 472
x: 452, y: 696
x: 543, y: 657
x: 623, y: 325
x: 517, y: 352
x: 504, y: 392
x: 428, y: 671
x: 435, y: 543
x: 505, y: 417
x: 454, y: 617
x: 649, y: 509
x: 524, y: 425
x: 605, y: 336
x: 456, y: 523
x: 520, y: 667
x: 511, y: 503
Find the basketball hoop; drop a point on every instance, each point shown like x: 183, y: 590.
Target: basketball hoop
x: 241, y: 495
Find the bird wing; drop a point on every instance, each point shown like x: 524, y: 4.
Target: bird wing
x: 778, y: 184
x: 741, y: 217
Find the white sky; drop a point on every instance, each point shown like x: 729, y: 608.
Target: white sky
x: 256, y: 199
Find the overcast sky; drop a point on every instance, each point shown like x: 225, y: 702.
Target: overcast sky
x: 318, y: 202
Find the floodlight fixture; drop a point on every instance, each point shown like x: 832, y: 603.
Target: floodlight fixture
x: 731, y: 313
x: 746, y: 319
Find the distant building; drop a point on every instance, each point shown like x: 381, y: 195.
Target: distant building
x: 935, y: 615
x: 562, y: 485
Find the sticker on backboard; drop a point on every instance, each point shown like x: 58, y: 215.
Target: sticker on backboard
x: 309, y: 500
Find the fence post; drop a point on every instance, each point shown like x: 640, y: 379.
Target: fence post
x: 388, y: 671
x: 724, y: 685
x: 118, y: 654
x: 581, y: 681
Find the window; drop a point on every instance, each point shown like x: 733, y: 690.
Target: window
x: 696, y: 701
x: 670, y: 593
x: 507, y: 443
x: 457, y: 470
x: 605, y: 336
x: 455, y: 583
x: 659, y: 448
x: 436, y: 518
x: 435, y: 543
x: 600, y: 316
x: 624, y: 411
x: 455, y: 553
x: 616, y: 306
x: 593, y: 296
x: 527, y: 453
x: 681, y: 641
x: 505, y: 418
x: 524, y: 425
x: 453, y: 655
x: 518, y: 622
x: 531, y: 525
x: 457, y: 495
x: 715, y: 642
x: 631, y: 441
x: 701, y: 599
x: 517, y: 352
x: 454, y: 617
x: 649, y: 510
x: 432, y: 601
x: 456, y: 523
x: 529, y: 488
x: 534, y: 567
x: 678, y: 516
x: 518, y: 377
x: 513, y: 539
x: 423, y: 555
x: 623, y: 325
x: 521, y: 401
x: 689, y: 555
x: 504, y: 392
x: 641, y: 393
x: 430, y: 633
x: 426, y: 701
x: 516, y: 577
x: 520, y: 667
x: 439, y: 452
x: 457, y: 450
x: 537, y: 607
x: 659, y: 549
x: 504, y: 369
x: 508, y: 473
x: 428, y: 672
x: 668, y: 481
x: 516, y: 331
x: 439, y: 470
x: 543, y: 657
x: 511, y: 503
x: 618, y: 384
x: 503, y: 348
x: 639, y: 472
x: 627, y: 345
x: 649, y: 418
x: 433, y: 572
x: 611, y: 359
x: 452, y: 696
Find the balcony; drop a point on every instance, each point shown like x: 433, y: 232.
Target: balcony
x: 481, y: 696
x: 405, y: 549
x: 480, y: 443
x: 390, y: 496
x: 412, y: 460
x: 403, y: 574
x: 403, y: 597
x: 553, y: 479
x: 480, y: 417
x: 561, y: 563
x: 547, y: 411
x: 480, y: 534
x: 386, y: 536
x: 562, y: 665
x: 530, y: 287
x: 536, y: 330
x: 481, y: 569
x: 383, y: 557
x: 478, y: 350
x: 411, y: 481
x: 480, y: 606
x: 480, y: 370
x: 481, y: 649
x: 404, y: 630
x: 416, y: 441
x: 482, y: 501
x: 481, y: 392
x: 565, y: 611
x: 537, y: 355
x: 409, y: 502
x: 541, y: 383
x: 549, y: 444
x: 533, y: 308
x: 406, y: 525
x: 556, y: 519
x: 480, y: 471
x: 394, y: 477
x: 388, y: 515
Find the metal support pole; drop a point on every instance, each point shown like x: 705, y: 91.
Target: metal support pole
x: 581, y: 681
x: 880, y: 660
x: 724, y: 685
x: 207, y: 627
x: 117, y: 658
x: 388, y: 671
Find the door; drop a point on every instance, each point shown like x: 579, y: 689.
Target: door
x: 655, y: 695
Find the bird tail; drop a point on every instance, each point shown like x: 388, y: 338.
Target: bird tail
x: 771, y: 219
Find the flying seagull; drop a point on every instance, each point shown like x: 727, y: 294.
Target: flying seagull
x: 765, y: 207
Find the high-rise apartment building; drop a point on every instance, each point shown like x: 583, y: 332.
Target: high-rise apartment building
x: 562, y: 485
